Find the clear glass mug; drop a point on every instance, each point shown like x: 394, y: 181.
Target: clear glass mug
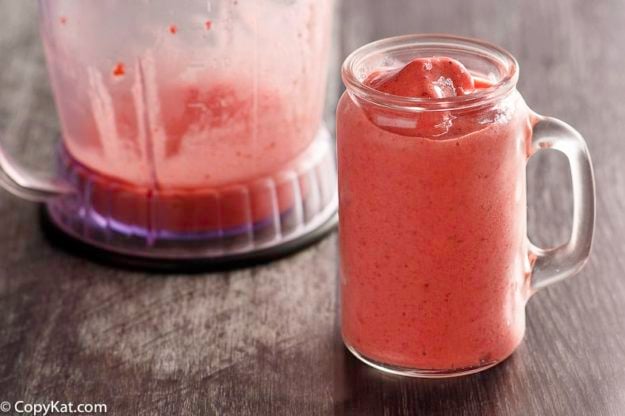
x: 189, y: 128
x: 436, y: 265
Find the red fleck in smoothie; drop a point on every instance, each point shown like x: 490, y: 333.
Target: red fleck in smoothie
x: 433, y: 219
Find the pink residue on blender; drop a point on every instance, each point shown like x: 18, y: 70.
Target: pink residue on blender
x: 119, y: 70
x: 152, y: 124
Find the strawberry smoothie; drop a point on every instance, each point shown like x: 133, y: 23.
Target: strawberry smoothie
x: 433, y: 239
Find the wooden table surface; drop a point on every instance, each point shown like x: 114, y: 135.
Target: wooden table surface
x: 265, y: 341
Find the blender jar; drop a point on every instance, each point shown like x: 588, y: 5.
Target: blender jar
x: 191, y: 130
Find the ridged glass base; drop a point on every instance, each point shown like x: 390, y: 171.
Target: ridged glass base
x: 214, y: 223
x: 421, y: 373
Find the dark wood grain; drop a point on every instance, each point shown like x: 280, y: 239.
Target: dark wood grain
x: 265, y: 341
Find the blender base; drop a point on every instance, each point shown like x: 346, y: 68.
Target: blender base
x: 74, y: 245
x: 216, y: 228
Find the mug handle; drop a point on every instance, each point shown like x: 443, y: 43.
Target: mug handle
x: 555, y: 264
x: 27, y: 185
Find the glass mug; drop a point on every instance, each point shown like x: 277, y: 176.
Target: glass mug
x: 184, y: 134
x: 436, y: 265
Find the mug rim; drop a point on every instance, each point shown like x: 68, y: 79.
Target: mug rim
x: 487, y: 50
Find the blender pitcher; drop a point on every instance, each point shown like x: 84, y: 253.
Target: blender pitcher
x: 191, y: 129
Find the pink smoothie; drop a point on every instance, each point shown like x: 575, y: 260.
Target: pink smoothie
x: 432, y: 223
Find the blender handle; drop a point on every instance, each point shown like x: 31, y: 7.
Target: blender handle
x: 20, y: 182
x: 555, y: 264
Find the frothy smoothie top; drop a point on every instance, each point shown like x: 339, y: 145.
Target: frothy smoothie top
x: 431, y: 78
x: 436, y: 77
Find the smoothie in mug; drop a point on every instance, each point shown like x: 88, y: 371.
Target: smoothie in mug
x: 433, y: 143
